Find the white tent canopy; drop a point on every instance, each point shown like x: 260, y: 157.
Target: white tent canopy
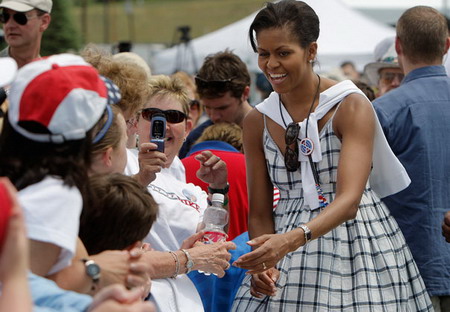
x: 345, y: 35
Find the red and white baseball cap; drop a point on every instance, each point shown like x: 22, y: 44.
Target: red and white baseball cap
x: 58, y: 99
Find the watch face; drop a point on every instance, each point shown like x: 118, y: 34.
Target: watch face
x: 93, y: 270
x: 189, y: 264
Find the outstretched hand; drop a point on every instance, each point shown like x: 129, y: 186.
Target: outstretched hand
x: 270, y: 248
x: 212, y: 169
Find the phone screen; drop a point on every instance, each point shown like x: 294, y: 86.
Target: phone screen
x: 158, y: 131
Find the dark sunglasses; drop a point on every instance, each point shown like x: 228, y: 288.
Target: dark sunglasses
x: 216, y: 84
x: 172, y: 115
x: 19, y: 17
x: 291, y: 154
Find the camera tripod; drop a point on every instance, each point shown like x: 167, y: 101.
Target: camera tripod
x: 185, y: 51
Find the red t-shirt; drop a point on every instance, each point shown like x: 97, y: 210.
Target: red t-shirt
x: 238, y: 200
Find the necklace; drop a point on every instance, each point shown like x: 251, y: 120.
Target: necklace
x: 310, y: 108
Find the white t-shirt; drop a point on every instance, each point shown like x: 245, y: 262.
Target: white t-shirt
x: 181, y: 208
x: 176, y: 168
x: 52, y: 213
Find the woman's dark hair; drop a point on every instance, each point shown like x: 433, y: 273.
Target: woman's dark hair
x: 26, y: 162
x: 299, y: 17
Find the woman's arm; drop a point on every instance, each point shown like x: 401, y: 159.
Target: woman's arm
x: 211, y: 258
x: 354, y: 123
x: 259, y: 185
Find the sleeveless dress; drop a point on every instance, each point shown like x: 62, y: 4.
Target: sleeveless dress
x: 362, y: 265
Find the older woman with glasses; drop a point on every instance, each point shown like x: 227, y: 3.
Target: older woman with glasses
x: 330, y: 244
x: 181, y: 205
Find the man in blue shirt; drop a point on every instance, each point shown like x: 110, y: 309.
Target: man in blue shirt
x: 416, y: 121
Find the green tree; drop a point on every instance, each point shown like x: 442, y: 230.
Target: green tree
x: 61, y: 36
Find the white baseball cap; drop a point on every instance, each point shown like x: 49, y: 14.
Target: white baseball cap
x: 58, y: 98
x: 27, y: 5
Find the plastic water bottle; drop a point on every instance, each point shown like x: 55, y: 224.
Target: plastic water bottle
x: 215, y: 219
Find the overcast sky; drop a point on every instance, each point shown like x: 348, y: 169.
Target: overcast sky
x: 396, y: 3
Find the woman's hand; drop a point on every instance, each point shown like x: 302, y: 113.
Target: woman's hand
x: 150, y: 162
x: 271, y: 248
x: 139, y: 270
x: 117, y: 267
x: 212, y: 258
x: 264, y: 283
x: 212, y: 170
x: 191, y: 240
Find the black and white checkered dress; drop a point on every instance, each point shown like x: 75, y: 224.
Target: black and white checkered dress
x: 362, y: 265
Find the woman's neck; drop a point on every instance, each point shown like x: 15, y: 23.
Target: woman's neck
x: 299, y: 100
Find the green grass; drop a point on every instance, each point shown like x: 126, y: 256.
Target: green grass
x: 156, y: 21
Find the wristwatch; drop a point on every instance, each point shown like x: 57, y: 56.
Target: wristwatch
x: 189, y: 263
x: 93, y: 271
x: 223, y: 191
x: 307, y: 231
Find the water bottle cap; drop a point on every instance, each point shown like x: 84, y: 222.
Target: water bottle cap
x: 218, y: 197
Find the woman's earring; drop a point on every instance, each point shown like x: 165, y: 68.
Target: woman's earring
x: 310, y: 61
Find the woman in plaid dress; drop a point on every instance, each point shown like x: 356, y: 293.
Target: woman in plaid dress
x: 331, y: 244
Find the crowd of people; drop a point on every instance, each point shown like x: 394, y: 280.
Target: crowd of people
x: 337, y: 191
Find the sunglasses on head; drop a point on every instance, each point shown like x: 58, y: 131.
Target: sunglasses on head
x: 291, y: 154
x: 216, y: 84
x: 172, y: 115
x: 19, y: 17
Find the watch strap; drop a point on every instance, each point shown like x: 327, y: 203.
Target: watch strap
x: 223, y: 191
x: 95, y: 277
x: 307, y: 231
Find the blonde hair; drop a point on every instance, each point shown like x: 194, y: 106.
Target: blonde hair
x: 131, y: 79
x: 112, y: 136
x: 162, y: 85
x: 229, y: 133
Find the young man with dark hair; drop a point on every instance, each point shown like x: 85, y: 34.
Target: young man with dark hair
x: 223, y: 84
x: 118, y: 215
x: 415, y: 119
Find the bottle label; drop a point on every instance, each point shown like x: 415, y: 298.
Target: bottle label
x: 214, y: 237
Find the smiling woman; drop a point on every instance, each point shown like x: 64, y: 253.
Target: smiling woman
x: 330, y: 244
x: 181, y: 205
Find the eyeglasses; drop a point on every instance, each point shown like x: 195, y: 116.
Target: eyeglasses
x: 172, y: 115
x: 291, y: 154
x: 388, y: 78
x: 213, y: 84
x: 19, y: 17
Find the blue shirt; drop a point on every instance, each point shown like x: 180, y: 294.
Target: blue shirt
x: 218, y: 293
x: 48, y: 297
x: 415, y: 118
